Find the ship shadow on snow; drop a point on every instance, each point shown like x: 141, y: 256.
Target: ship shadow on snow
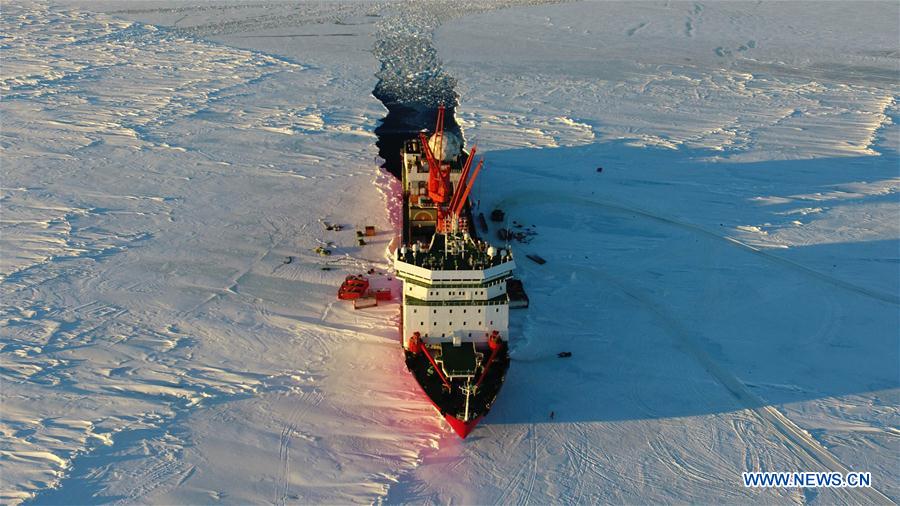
x: 666, y: 317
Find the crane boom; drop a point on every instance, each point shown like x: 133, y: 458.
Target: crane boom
x: 462, y: 179
x: 459, y: 205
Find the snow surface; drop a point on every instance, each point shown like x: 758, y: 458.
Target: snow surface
x: 728, y: 284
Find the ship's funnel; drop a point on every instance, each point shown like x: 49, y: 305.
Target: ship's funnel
x: 450, y: 149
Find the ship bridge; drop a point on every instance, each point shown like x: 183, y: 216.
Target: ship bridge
x: 454, y: 295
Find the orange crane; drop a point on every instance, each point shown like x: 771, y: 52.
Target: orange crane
x: 438, y: 172
x: 439, y: 177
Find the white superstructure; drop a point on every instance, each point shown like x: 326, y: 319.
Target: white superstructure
x: 466, y: 304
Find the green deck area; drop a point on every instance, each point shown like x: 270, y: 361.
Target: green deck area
x: 458, y: 360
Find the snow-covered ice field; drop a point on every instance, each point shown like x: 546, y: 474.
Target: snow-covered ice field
x: 728, y: 285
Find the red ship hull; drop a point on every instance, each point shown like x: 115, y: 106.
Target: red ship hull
x: 461, y: 427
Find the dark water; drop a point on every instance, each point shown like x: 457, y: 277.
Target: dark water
x: 402, y: 122
x: 411, y: 85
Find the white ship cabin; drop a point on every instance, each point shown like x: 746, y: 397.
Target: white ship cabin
x: 455, y: 297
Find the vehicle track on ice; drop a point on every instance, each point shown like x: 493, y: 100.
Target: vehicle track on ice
x: 521, y: 486
x: 796, y: 440
x: 284, y: 457
x: 288, y: 432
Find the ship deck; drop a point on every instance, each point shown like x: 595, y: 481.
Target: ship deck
x: 459, y: 360
x: 453, y: 402
x: 473, y: 257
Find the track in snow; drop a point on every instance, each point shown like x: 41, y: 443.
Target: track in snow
x: 802, y: 444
